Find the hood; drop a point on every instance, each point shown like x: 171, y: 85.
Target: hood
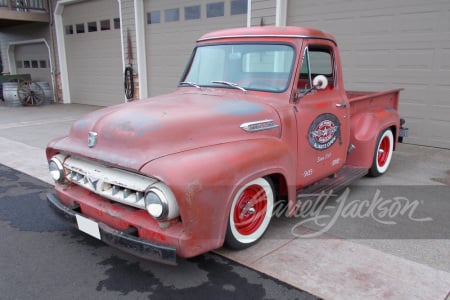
x: 132, y: 134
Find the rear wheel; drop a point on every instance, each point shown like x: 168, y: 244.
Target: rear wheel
x: 250, y: 214
x: 383, y: 153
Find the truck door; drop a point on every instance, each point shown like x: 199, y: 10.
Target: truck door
x: 322, y: 115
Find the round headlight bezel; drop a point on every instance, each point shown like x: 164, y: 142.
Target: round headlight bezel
x: 166, y: 199
x: 56, y: 169
x: 158, y: 200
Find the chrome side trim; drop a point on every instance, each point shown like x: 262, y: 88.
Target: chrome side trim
x: 259, y: 125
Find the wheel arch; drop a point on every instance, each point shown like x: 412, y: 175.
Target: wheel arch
x: 364, y: 131
x: 280, y: 186
x: 208, y: 179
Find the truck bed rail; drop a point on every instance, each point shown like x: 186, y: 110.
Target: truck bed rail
x: 360, y: 101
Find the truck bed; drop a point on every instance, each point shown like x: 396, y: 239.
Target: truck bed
x: 362, y: 101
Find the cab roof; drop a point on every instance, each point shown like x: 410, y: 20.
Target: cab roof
x: 268, y: 31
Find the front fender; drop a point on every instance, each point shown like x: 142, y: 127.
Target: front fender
x: 51, y: 150
x: 205, y: 180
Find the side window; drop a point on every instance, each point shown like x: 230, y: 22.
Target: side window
x: 316, y: 61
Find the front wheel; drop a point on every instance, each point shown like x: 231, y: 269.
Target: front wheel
x: 250, y: 214
x: 383, y: 154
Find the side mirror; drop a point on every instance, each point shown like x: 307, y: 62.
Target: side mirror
x: 320, y: 82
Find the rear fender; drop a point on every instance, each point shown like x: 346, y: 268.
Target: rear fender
x: 364, y: 132
x: 205, y: 180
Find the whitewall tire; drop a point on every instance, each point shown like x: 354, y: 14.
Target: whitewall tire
x: 383, y: 153
x: 250, y: 214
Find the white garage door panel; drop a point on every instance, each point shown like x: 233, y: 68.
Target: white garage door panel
x: 33, y: 54
x: 94, y: 58
x: 389, y: 44
x: 169, y: 45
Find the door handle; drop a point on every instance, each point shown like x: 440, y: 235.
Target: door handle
x: 343, y: 105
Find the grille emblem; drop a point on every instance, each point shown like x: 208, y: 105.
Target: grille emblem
x: 92, y: 139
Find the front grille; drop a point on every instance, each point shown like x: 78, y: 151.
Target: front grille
x: 111, y: 183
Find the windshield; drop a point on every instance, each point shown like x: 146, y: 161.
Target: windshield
x: 263, y: 67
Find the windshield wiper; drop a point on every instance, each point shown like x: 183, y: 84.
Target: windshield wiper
x: 232, y: 84
x: 191, y: 84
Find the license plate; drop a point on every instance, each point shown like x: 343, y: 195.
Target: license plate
x: 88, y: 226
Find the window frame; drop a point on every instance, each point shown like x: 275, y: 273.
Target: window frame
x: 319, y: 48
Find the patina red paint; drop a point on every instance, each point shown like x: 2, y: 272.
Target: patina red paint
x: 243, y: 132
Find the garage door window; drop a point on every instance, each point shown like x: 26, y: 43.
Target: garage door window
x: 105, y: 25
x: 238, y: 7
x: 192, y: 12
x: 172, y: 15
x: 154, y: 17
x: 215, y: 10
x: 116, y: 23
x: 92, y: 26
x: 68, y: 29
x: 80, y: 28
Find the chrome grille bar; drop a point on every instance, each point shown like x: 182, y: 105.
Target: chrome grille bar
x: 111, y: 183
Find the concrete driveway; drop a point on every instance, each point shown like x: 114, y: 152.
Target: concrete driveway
x: 357, y: 256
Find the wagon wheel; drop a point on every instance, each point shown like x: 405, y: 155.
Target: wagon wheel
x: 30, y: 93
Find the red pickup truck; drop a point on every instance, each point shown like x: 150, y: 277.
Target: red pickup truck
x: 259, y: 115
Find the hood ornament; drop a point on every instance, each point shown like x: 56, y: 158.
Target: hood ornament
x: 92, y: 139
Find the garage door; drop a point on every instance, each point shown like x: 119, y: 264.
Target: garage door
x: 33, y: 59
x: 172, y: 29
x: 387, y: 44
x: 93, y: 49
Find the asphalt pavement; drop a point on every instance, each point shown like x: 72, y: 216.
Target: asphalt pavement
x: 41, y: 257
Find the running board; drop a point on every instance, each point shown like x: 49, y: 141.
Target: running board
x: 335, y: 183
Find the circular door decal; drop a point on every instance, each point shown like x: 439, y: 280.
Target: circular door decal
x: 324, y: 131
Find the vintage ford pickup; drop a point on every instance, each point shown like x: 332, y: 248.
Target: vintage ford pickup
x: 259, y: 115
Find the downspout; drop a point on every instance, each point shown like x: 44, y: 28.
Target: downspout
x: 139, y: 16
x: 52, y: 42
x: 281, y: 13
x: 60, y: 44
x: 249, y: 13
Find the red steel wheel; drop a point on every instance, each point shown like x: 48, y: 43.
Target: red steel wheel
x: 383, y: 153
x: 250, y: 214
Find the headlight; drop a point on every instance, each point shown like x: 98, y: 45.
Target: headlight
x: 56, y: 168
x: 156, y: 204
x: 160, y: 202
